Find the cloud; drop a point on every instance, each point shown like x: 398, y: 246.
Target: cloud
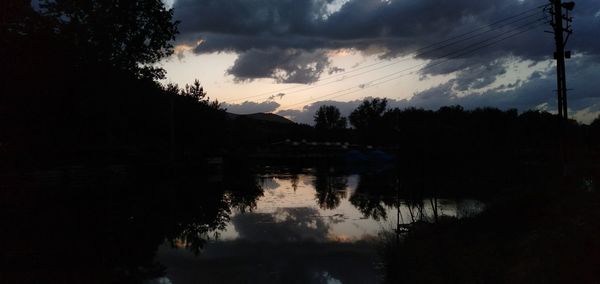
x: 291, y: 41
x: 279, y: 96
x: 283, y: 65
x: 260, y: 261
x: 284, y: 225
x: 394, y: 26
x: 287, y: 39
x: 589, y: 114
x: 537, y: 90
x: 251, y: 107
x: 335, y: 69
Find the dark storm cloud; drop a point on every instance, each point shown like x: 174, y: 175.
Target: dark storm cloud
x: 392, y: 28
x: 480, y: 76
x: 250, y: 17
x: 534, y: 93
x: 396, y: 26
x: 288, y: 40
x: 251, y: 107
x: 284, y: 225
x: 538, y: 90
x: 283, y: 65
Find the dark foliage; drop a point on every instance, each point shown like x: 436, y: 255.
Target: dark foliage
x: 329, y: 118
x: 546, y: 237
x: 81, y: 89
x: 126, y: 35
x: 105, y: 224
x: 330, y: 188
x: 330, y: 125
x: 367, y: 118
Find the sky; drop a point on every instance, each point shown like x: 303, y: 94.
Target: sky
x: 291, y: 56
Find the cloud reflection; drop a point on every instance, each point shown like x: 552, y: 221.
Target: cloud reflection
x: 284, y: 225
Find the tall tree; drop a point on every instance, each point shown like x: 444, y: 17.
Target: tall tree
x: 329, y: 117
x: 129, y: 35
x: 596, y: 122
x: 368, y: 113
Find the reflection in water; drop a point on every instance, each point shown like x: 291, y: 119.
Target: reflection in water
x: 369, y: 207
x: 283, y: 225
x: 314, y: 227
x: 330, y: 188
x: 310, y: 226
x: 357, y: 215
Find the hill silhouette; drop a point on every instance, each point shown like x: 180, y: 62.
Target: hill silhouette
x: 268, y: 117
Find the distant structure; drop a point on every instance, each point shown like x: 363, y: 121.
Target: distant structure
x: 561, y: 24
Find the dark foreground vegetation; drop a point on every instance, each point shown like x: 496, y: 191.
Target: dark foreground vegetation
x: 540, y: 235
x: 105, y: 226
x: 95, y: 154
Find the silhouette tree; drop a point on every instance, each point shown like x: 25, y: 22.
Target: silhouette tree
x: 596, y: 122
x: 129, y: 35
x: 368, y: 113
x: 328, y: 117
x: 367, y: 119
x: 329, y: 123
x: 195, y: 91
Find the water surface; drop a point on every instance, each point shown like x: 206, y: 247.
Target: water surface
x: 303, y: 228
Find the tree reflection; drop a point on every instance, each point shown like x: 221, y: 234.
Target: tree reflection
x: 330, y: 188
x: 373, y: 193
x: 370, y: 207
x: 243, y: 189
x: 199, y: 210
x: 95, y: 231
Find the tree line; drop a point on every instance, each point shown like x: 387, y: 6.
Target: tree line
x: 452, y: 134
x: 80, y: 84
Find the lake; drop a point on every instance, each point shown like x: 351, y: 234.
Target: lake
x: 262, y: 225
x: 306, y: 227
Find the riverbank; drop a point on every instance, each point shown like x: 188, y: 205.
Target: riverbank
x: 541, y: 237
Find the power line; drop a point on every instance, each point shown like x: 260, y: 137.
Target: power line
x: 417, y: 50
x: 395, y: 78
x: 560, y: 15
x: 376, y: 69
x: 380, y: 62
x: 459, y: 39
x: 460, y: 53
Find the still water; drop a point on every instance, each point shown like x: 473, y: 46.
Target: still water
x: 302, y: 228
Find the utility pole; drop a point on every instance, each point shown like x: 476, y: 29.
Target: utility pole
x: 558, y: 20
